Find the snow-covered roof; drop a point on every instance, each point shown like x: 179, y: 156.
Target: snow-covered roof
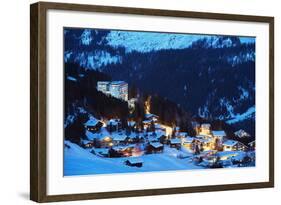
x: 132, y: 135
x: 230, y: 143
x: 118, y: 82
x: 175, y: 141
x: 86, y: 141
x: 91, y: 135
x: 241, y: 133
x: 237, y: 155
x: 206, y: 125
x: 204, y: 140
x: 188, y: 139
x: 134, y: 160
x: 113, y: 122
x: 149, y: 115
x: 183, y: 133
x: 131, y: 123
x: 202, y: 136
x: 119, y: 137
x: 147, y: 121
x: 123, y: 147
x: 219, y: 133
x: 156, y: 144
x: 159, y: 127
x: 92, y: 122
x: 71, y: 78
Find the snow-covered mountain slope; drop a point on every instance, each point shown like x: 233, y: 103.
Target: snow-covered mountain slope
x: 153, y: 41
x: 94, y: 48
x: 93, y: 59
x: 148, y: 41
x: 79, y: 161
x: 250, y: 113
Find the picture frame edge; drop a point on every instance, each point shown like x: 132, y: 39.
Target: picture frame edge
x: 38, y: 163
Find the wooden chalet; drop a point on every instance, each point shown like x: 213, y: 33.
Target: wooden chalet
x: 154, y: 147
x: 93, y: 125
x: 134, y: 162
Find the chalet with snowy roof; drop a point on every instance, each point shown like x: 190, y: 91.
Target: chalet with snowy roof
x: 182, y: 134
x: 196, y: 126
x: 231, y: 156
x: 242, y: 134
x: 93, y: 125
x: 159, y: 127
x: 146, y: 123
x: 87, y: 143
x: 113, y: 125
x: 205, y: 129
x: 119, y: 139
x: 154, y: 147
x: 134, y: 162
x: 132, y: 124
x: 210, y: 162
x: 233, y: 145
x: 135, y: 138
x: 188, y: 142
x: 106, y: 141
x: 102, y: 139
x: 219, y: 134
x: 205, y: 143
x: 175, y: 143
x: 123, y: 150
x: 151, y: 117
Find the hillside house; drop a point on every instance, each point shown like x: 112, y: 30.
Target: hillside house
x: 188, y: 142
x: 113, y: 125
x: 205, y: 143
x: 87, y: 143
x: 181, y: 135
x: 133, y: 125
x: 205, y: 129
x: 134, y: 162
x: 151, y: 117
x: 106, y: 141
x: 93, y: 125
x: 219, y: 134
x: 196, y: 126
x: 154, y: 147
x: 242, y: 134
x: 233, y: 145
x: 175, y: 143
x: 123, y: 151
x: 119, y: 139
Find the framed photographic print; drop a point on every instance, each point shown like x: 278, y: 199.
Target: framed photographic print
x: 134, y: 102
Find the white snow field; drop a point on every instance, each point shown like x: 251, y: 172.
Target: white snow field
x: 79, y: 161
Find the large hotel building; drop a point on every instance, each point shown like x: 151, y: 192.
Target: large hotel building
x: 117, y: 89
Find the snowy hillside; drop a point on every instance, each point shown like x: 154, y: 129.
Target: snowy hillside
x: 79, y: 161
x: 153, y: 41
